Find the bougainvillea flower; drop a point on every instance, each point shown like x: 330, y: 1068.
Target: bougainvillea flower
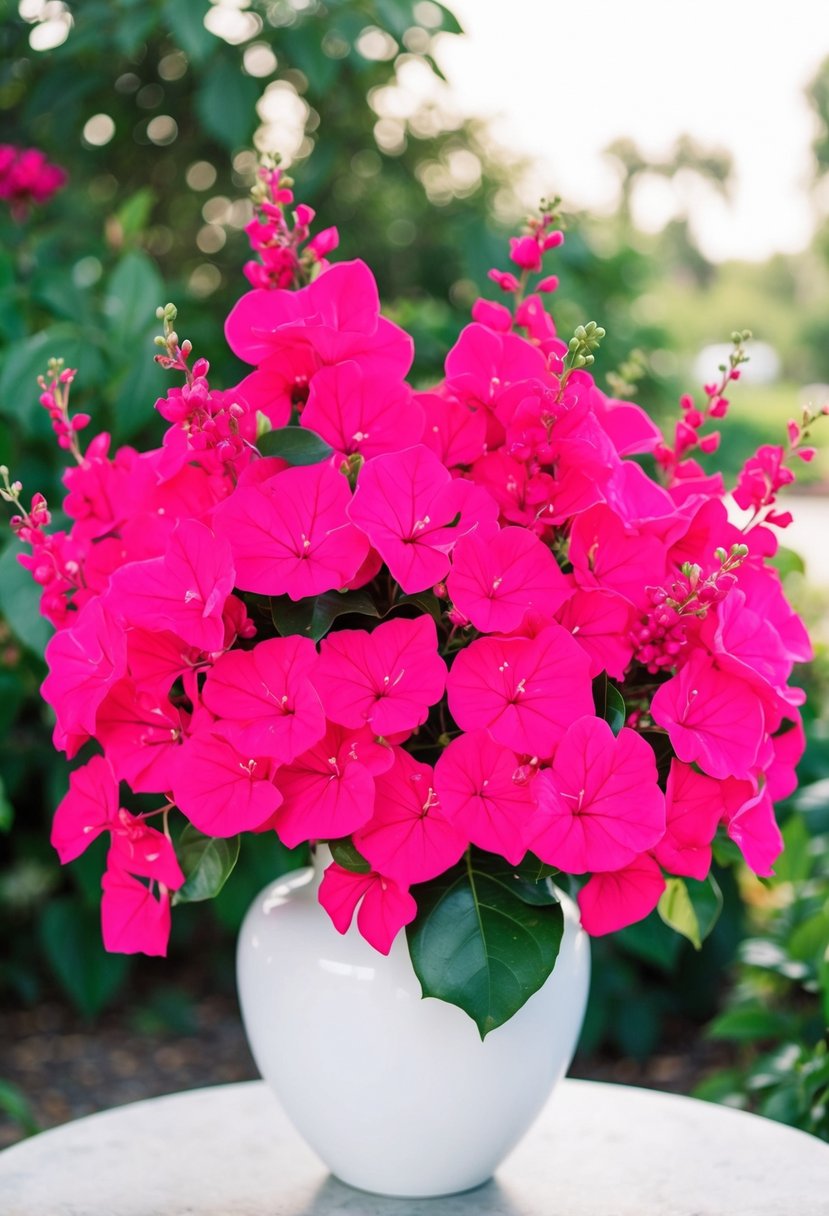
x: 409, y: 837
x: 765, y: 596
x: 358, y: 412
x: 526, y: 691
x: 521, y: 497
x: 134, y: 920
x: 387, y: 678
x: 712, y: 718
x: 88, y: 809
x: 84, y: 663
x: 414, y: 512
x: 734, y: 630
x: 788, y: 746
x: 600, y: 622
x: 221, y: 791
x: 482, y: 364
x: 628, y: 426
x: 143, y: 850
x: 454, y: 432
x: 291, y: 536
x: 495, y: 580
x: 694, y: 806
x: 263, y: 699
x: 607, y: 554
x: 140, y: 733
x: 337, y: 316
x: 750, y: 822
x: 329, y: 790
x: 599, y: 806
x: 483, y: 792
x: 184, y: 591
x: 156, y: 660
x: 385, y: 906
x: 611, y: 901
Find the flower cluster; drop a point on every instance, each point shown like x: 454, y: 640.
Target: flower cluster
x: 413, y: 623
x: 27, y: 177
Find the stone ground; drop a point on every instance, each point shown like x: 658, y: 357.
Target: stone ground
x: 68, y: 1068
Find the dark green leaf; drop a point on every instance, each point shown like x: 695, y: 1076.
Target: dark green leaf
x: 20, y: 601
x: 795, y: 862
x: 296, y: 444
x: 226, y: 103
x: 533, y: 869
x: 609, y: 702
x: 15, y: 1104
x: 691, y: 908
x: 6, y: 810
x: 426, y: 601
x: 314, y: 616
x: 71, y: 938
x: 186, y: 20
x: 207, y: 864
x: 134, y: 291
x: 476, y: 944
x: 748, y: 1023
x: 663, y: 752
x: 347, y: 856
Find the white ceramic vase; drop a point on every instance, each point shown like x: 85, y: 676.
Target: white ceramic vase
x: 398, y: 1095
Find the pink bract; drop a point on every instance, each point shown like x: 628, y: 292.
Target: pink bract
x: 495, y: 580
x: 484, y: 791
x: 612, y: 901
x: 525, y: 691
x: 387, y: 679
x: 599, y: 805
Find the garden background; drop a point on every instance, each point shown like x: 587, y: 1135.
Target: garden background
x: 156, y: 110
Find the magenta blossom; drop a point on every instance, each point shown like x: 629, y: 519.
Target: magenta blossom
x: 599, y: 805
x: 384, y: 905
x: 386, y: 679
x: 485, y: 792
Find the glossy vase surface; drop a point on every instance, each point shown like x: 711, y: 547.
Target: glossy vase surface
x: 398, y: 1095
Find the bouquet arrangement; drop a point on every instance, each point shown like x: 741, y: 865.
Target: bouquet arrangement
x: 475, y: 638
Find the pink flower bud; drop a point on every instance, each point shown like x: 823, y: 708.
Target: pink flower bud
x: 524, y: 251
x: 304, y: 215
x: 793, y: 429
x: 200, y: 368
x: 735, y: 373
x: 806, y: 454
x: 324, y: 242
x: 710, y: 443
x: 80, y: 421
x: 552, y: 240
x: 505, y: 280
x: 550, y: 283
x: 718, y: 407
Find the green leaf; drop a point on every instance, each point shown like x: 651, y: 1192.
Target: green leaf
x: 226, y: 103
x: 786, y: 561
x: 346, y: 855
x: 663, y: 753
x: 296, y: 444
x: 691, y: 908
x: 426, y: 601
x: 207, y: 863
x: 748, y: 1023
x: 15, y: 1104
x: 134, y: 290
x: 795, y: 863
x: 314, y: 616
x: 186, y: 21
x: 133, y: 214
x: 533, y: 869
x: 71, y: 938
x: 476, y: 944
x: 6, y: 810
x: 19, y: 393
x: 609, y: 702
x: 20, y: 602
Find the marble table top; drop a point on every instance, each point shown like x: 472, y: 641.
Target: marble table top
x: 596, y: 1150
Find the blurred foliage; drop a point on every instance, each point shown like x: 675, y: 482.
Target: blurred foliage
x: 157, y: 119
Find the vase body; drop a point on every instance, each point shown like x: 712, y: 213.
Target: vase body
x: 398, y: 1095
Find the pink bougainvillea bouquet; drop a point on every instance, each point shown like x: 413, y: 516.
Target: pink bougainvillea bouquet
x: 482, y: 639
